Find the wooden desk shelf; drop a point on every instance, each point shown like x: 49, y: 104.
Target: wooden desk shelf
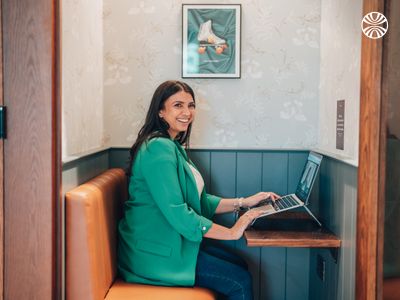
x: 291, y: 229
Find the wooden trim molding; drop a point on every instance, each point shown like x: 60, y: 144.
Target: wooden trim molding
x: 58, y: 285
x: 371, y: 172
x: 1, y: 167
x: 382, y: 159
x: 31, y: 158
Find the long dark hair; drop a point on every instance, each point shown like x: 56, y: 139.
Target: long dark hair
x: 154, y: 126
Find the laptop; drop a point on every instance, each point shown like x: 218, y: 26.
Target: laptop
x: 302, y: 194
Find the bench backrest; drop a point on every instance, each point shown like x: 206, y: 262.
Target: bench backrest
x: 92, y: 213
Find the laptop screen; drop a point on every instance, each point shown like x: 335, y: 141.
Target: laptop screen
x: 308, y: 176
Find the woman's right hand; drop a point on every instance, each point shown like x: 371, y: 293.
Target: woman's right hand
x: 243, y: 222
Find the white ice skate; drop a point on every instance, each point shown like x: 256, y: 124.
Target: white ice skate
x: 207, y: 38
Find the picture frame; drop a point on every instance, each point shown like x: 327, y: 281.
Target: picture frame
x: 211, y: 40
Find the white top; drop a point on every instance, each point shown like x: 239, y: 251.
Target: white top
x: 198, y: 178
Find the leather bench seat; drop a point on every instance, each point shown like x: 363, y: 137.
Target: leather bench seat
x: 92, y: 212
x: 128, y: 291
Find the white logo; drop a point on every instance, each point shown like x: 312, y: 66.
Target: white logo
x: 374, y: 25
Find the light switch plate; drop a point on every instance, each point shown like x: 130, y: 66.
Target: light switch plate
x: 340, y: 124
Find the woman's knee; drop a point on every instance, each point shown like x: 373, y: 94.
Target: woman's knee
x: 226, y: 255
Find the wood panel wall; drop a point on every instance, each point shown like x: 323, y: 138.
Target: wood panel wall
x: 278, y: 273
x: 286, y: 273
x: 370, y: 173
x: 337, y: 207
x: 31, y: 167
x: 1, y: 168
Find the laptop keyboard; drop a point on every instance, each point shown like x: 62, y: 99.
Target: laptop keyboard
x: 284, y: 202
x: 279, y: 204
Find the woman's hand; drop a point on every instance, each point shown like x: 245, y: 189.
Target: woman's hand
x: 256, y: 198
x: 243, y: 222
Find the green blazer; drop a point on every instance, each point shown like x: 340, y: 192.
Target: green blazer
x: 164, y: 219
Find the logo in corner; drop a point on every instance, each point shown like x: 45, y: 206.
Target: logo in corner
x: 374, y: 25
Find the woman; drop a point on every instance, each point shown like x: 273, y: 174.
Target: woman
x: 169, y: 212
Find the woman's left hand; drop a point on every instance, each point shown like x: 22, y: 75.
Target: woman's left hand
x: 257, y: 198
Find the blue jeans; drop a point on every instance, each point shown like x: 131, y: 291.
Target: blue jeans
x: 223, y: 272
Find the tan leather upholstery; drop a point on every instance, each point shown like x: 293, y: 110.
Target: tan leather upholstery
x: 128, y: 291
x: 92, y: 213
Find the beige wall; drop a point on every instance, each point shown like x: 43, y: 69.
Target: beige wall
x: 340, y: 74
x: 273, y: 105
x: 116, y: 54
x: 82, y: 76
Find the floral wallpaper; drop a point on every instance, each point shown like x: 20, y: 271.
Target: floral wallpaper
x: 298, y: 58
x: 82, y: 76
x: 340, y: 74
x: 275, y: 104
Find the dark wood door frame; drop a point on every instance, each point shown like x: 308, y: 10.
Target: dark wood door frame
x: 32, y: 163
x: 1, y: 170
x: 371, y: 171
x: 370, y: 176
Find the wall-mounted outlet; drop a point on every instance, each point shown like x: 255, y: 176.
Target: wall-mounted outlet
x: 321, y: 267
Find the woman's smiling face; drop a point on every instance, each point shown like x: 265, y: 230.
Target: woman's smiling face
x: 179, y: 111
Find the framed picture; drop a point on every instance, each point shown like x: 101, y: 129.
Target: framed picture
x: 211, y: 40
